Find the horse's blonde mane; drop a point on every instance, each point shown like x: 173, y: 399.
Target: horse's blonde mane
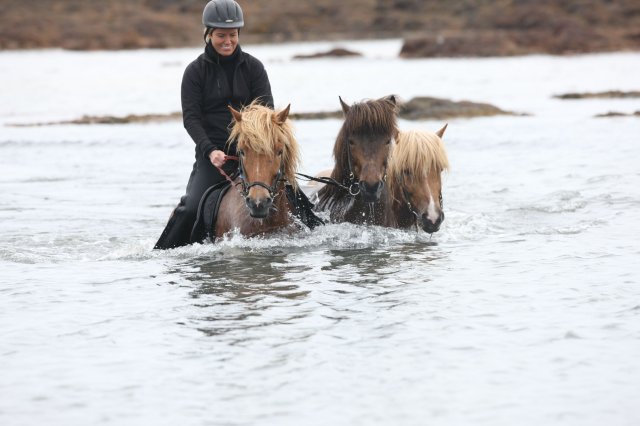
x: 260, y: 131
x: 418, y: 152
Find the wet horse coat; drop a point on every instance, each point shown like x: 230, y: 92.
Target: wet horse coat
x: 361, y: 154
x: 264, y: 197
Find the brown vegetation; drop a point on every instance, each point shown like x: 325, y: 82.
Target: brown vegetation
x: 515, y: 27
x: 432, y: 28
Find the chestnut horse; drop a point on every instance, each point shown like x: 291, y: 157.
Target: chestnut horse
x: 415, y: 186
x: 268, y: 156
x: 361, y: 153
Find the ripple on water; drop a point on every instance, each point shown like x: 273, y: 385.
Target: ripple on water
x: 556, y: 202
x: 56, y: 249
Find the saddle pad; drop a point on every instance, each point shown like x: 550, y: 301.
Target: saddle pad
x: 205, y: 225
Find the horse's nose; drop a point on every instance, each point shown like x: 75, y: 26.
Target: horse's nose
x: 259, y: 207
x: 371, y: 192
x: 429, y: 225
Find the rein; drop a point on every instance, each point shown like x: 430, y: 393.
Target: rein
x: 222, y: 172
x: 349, y: 185
x: 325, y: 180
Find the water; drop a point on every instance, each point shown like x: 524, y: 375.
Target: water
x: 523, y: 309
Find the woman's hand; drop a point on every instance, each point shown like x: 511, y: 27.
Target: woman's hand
x: 217, y: 158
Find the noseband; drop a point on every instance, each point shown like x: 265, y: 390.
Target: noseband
x: 353, y: 182
x: 407, y: 200
x: 246, y: 186
x: 351, y: 185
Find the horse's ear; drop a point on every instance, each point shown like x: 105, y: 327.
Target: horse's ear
x: 281, y: 117
x: 440, y: 132
x: 345, y: 107
x: 236, y: 114
x: 393, y: 100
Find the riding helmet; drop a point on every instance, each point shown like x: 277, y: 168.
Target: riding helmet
x: 222, y: 14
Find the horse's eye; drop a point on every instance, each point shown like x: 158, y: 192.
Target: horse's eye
x: 351, y: 142
x: 241, y: 153
x: 388, y: 142
x: 279, y: 153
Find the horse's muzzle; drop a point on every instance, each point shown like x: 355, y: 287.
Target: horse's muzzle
x: 371, y: 192
x: 259, y: 208
x: 429, y: 226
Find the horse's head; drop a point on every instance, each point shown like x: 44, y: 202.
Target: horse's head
x: 415, y: 171
x: 363, y: 145
x: 268, y: 154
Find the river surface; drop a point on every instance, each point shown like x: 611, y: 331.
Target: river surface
x: 524, y: 309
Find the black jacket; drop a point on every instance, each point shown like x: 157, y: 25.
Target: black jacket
x: 206, y: 94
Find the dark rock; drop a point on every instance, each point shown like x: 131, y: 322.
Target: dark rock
x: 422, y: 108
x: 456, y: 45
x: 338, y: 52
x: 322, y: 115
x: 618, y: 114
x: 611, y: 94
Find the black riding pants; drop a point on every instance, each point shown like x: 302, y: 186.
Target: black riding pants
x: 178, y: 230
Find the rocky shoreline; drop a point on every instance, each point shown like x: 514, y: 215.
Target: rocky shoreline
x: 419, y: 108
x: 611, y: 114
x: 429, y: 29
x: 611, y: 94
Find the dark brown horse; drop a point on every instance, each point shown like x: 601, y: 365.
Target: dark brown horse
x: 361, y: 153
x: 269, y: 155
x: 415, y: 185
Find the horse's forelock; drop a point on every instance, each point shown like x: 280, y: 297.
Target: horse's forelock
x: 260, y: 131
x: 372, y: 117
x: 418, y: 152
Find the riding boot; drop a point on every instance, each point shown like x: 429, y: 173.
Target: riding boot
x: 178, y: 230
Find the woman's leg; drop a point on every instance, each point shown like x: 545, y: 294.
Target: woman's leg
x: 178, y: 230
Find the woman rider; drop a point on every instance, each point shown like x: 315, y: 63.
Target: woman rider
x: 223, y: 75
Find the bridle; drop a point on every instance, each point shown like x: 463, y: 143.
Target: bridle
x: 351, y: 184
x: 407, y: 200
x: 351, y: 179
x: 246, y: 186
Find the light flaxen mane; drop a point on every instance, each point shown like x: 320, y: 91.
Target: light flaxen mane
x: 417, y: 152
x: 260, y: 131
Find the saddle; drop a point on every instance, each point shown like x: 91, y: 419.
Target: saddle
x: 205, y: 225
